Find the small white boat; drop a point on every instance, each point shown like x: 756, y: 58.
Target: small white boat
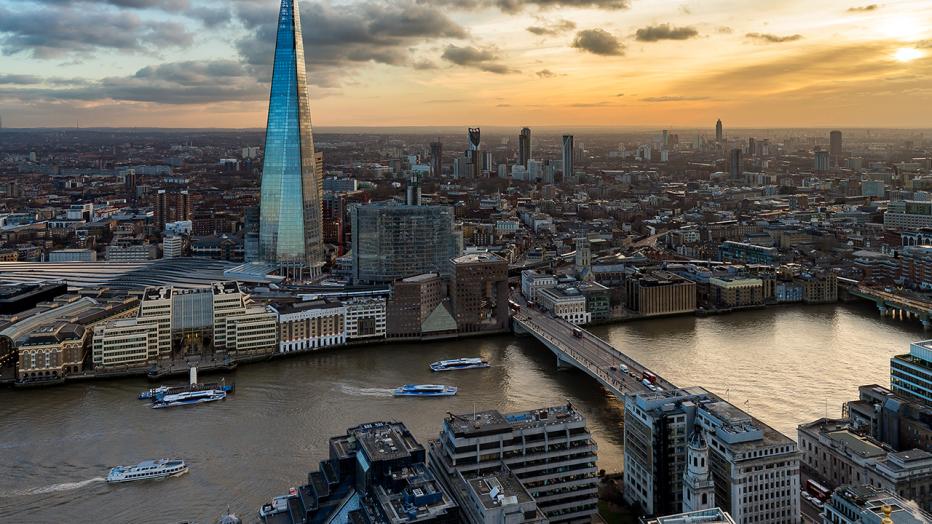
x: 150, y: 469
x: 425, y: 390
x: 459, y: 363
x: 190, y: 398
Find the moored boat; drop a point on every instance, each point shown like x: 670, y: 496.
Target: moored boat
x: 150, y: 469
x: 459, y: 363
x: 425, y: 390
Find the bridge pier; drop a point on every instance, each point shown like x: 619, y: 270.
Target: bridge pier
x: 882, y: 308
x: 563, y: 365
x: 926, y: 323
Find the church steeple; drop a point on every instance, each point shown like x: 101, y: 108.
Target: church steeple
x: 698, y: 486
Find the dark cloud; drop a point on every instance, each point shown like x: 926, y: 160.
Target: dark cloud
x: 545, y: 73
x: 773, y: 39
x: 423, y: 65
x: 553, y: 29
x: 165, y: 5
x: 598, y: 41
x: 485, y: 59
x: 863, y: 8
x: 725, y: 30
x: 335, y: 38
x: 673, y: 98
x: 55, y: 32
x: 194, y: 82
x: 515, y: 6
x: 654, y: 33
x: 15, y: 79
x: 211, y: 17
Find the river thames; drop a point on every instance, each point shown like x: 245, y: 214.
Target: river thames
x: 784, y: 365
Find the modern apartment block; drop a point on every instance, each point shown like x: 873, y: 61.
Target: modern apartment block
x: 365, y: 317
x: 414, y: 300
x: 125, y: 342
x: 549, y: 450
x: 754, y: 468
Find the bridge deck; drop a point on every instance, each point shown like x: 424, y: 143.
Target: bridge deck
x: 589, y: 353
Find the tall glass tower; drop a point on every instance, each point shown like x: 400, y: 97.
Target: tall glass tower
x: 290, y: 232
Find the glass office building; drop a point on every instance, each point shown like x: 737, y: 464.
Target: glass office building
x: 393, y: 241
x: 290, y: 232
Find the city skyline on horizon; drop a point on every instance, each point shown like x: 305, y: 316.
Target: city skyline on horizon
x: 578, y: 63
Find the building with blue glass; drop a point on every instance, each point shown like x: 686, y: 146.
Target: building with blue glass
x: 290, y: 233
x: 911, y: 374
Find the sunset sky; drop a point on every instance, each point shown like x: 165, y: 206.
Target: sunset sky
x: 204, y: 63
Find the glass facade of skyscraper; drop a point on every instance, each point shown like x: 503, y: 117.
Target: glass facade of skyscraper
x: 289, y: 226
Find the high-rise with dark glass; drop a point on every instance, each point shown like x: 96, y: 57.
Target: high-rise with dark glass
x: 524, y: 146
x: 290, y: 233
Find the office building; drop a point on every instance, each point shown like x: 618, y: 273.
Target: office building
x: 834, y: 148
x: 754, y: 468
x: 392, y: 241
x: 659, y: 293
x: 196, y: 319
x: 172, y: 246
x: 719, y: 133
x: 745, y: 253
x: 565, y: 301
x: 533, y: 281
x: 873, y: 188
x: 734, y: 291
x: 898, y: 421
x: 124, y: 342
x: 707, y: 516
x: 822, y: 161
x: 376, y: 473
x: 839, y: 456
x: 568, y: 151
x: 72, y: 255
x: 479, y: 292
x: 549, y: 450
x: 436, y: 159
x: 365, y: 317
x: 911, y: 374
x: 496, y: 497
x: 866, y: 504
x: 912, y: 214
x: 128, y: 251
x: 255, y: 329
x: 524, y: 146
x: 290, y: 234
x: 735, y: 164
x: 418, y: 305
x: 310, y: 325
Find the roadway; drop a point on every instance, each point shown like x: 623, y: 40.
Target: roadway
x: 589, y: 353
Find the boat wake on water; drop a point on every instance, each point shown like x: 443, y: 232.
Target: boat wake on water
x: 365, y: 392
x: 53, y: 488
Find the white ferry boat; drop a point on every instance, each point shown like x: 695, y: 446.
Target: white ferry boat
x: 189, y: 398
x: 459, y: 363
x: 425, y: 390
x: 150, y: 469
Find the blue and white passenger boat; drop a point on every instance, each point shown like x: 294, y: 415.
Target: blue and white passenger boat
x: 189, y: 398
x: 159, y: 392
x: 425, y: 390
x: 150, y: 469
x: 459, y: 363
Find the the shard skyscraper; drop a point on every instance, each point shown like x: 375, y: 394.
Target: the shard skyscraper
x: 290, y: 210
